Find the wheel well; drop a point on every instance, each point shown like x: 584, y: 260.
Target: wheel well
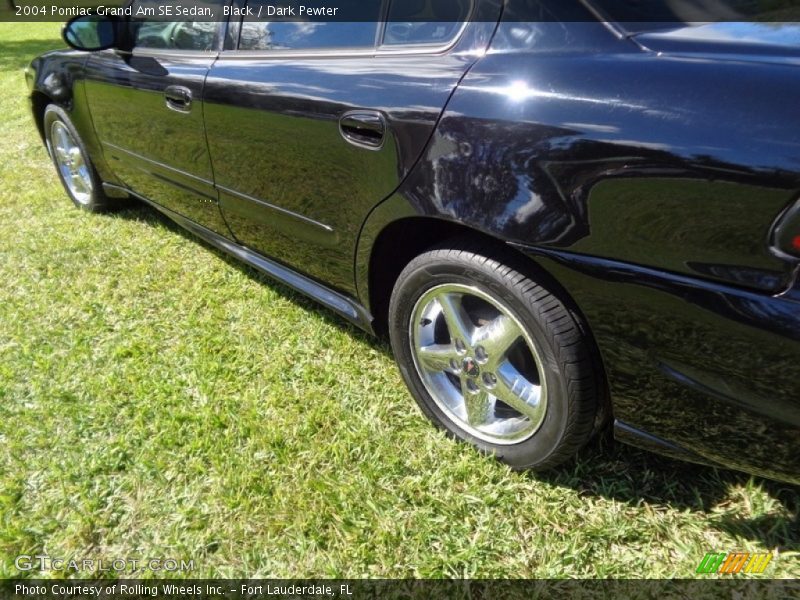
x: 402, y: 241
x: 39, y: 102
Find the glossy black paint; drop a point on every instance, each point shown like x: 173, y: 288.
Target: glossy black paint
x: 651, y: 178
x: 172, y: 168
x: 304, y: 190
x: 615, y: 155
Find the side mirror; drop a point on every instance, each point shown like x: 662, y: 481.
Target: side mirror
x: 91, y: 33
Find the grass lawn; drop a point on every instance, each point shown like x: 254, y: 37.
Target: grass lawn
x: 159, y: 400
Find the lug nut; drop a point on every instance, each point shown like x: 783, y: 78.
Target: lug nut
x: 480, y: 355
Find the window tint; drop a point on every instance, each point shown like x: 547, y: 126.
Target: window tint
x: 407, y: 22
x: 174, y: 35
x: 259, y: 34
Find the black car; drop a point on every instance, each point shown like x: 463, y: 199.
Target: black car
x: 564, y: 215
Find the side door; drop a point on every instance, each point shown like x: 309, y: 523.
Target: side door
x: 311, y: 124
x: 148, y: 115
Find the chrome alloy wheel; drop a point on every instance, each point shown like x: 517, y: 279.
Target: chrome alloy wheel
x: 478, y: 363
x: 71, y: 163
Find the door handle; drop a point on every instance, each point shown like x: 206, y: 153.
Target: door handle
x: 363, y: 128
x: 179, y: 98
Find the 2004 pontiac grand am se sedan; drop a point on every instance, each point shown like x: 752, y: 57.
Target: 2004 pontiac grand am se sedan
x: 564, y: 214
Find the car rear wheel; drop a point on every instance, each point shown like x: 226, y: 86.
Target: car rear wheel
x: 493, y: 357
x: 72, y: 161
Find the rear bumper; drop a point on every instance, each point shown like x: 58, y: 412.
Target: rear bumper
x: 708, y: 371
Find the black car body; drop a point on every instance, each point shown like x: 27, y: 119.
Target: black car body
x: 650, y: 180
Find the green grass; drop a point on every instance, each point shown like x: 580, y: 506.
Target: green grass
x: 159, y: 400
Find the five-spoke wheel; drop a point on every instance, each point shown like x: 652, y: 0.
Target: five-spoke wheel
x: 478, y: 363
x: 493, y: 357
x: 73, y: 163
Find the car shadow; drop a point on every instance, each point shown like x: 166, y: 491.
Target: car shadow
x: 604, y: 468
x: 622, y: 473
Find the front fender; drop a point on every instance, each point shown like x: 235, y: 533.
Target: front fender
x: 58, y: 78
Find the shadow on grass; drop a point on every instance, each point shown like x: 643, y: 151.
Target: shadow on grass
x: 16, y: 55
x: 604, y: 468
x: 626, y: 474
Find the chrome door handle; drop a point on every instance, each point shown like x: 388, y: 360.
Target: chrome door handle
x: 363, y: 128
x: 178, y: 98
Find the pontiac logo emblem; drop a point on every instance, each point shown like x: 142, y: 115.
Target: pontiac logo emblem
x: 470, y: 367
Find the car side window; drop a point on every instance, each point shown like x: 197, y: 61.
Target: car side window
x: 175, y: 35
x: 258, y: 33
x: 406, y: 24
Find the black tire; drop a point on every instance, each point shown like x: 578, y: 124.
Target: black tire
x: 566, y: 354
x: 95, y: 200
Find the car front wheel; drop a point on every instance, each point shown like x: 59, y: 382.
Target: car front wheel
x: 72, y: 161
x: 492, y: 357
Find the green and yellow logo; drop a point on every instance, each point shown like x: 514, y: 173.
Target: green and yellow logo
x: 734, y: 562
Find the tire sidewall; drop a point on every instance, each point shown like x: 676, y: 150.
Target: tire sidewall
x: 55, y: 113
x: 412, y: 284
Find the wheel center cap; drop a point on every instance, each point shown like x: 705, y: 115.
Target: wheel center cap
x: 471, y: 368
